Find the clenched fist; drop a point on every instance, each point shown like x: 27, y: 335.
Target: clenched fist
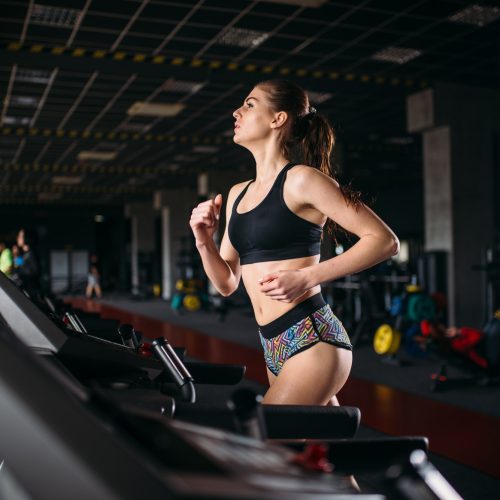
x: 205, y: 219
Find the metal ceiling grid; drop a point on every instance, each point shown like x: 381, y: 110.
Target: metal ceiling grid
x: 92, y: 60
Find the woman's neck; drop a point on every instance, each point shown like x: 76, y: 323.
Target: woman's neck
x: 268, y: 163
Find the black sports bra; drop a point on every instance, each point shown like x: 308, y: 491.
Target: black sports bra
x: 271, y: 231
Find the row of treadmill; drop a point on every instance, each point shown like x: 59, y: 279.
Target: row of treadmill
x: 89, y: 410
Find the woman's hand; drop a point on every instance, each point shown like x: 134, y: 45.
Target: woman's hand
x: 205, y: 220
x: 285, y: 286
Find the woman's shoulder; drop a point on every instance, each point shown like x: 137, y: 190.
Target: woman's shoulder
x: 238, y: 188
x: 301, y: 175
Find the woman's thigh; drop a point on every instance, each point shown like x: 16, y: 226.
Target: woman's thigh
x: 311, y: 377
x: 270, y: 376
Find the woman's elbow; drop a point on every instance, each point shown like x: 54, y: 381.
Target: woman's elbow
x: 226, y: 292
x: 393, y: 245
x: 228, y: 289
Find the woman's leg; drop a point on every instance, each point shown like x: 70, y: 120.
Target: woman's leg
x: 270, y: 376
x: 311, y: 377
x: 333, y: 401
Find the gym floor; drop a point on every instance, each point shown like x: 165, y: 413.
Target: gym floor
x: 462, y: 423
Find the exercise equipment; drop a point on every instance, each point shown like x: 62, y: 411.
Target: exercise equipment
x: 129, y: 455
x: 418, y: 479
x: 420, y: 307
x: 189, y: 295
x: 143, y: 380
x: 127, y: 451
x: 408, y: 311
x: 176, y: 368
x: 386, y: 340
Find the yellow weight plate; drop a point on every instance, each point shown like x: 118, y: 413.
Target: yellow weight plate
x: 386, y: 340
x: 191, y: 302
x: 396, y: 342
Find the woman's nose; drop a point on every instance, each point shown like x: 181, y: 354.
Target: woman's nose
x: 236, y: 113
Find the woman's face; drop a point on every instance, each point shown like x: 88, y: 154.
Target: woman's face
x: 253, y: 119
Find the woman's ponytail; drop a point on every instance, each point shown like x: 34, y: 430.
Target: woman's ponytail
x: 317, y: 150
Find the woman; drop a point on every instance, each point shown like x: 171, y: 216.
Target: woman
x: 272, y: 240
x: 93, y: 279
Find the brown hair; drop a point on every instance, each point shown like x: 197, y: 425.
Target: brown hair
x: 307, y: 134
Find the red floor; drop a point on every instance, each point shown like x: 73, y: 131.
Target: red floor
x: 470, y: 438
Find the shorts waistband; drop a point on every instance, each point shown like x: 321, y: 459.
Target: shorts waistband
x: 298, y: 313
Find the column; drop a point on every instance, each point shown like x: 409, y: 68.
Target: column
x: 457, y: 124
x: 142, y: 241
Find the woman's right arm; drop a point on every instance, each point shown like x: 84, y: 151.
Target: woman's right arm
x: 222, y: 267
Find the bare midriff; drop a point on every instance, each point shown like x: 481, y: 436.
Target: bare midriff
x: 265, y: 308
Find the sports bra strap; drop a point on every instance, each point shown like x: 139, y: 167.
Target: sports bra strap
x: 278, y: 184
x: 240, y: 196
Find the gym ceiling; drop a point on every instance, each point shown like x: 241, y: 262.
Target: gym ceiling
x: 108, y: 101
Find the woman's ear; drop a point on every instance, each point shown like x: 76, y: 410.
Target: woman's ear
x: 279, y: 119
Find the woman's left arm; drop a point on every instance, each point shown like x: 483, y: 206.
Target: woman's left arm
x: 377, y: 242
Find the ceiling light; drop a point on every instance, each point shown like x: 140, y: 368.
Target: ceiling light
x: 154, y: 109
x: 24, y: 100
x: 32, y: 75
x: 318, y: 97
x: 49, y: 196
x: 243, y: 38
x: 299, y: 3
x: 99, y: 218
x: 54, y: 16
x: 15, y: 120
x: 182, y: 86
x: 475, y: 14
x: 205, y: 149
x: 134, y: 127
x: 97, y: 155
x: 398, y: 55
x: 68, y: 180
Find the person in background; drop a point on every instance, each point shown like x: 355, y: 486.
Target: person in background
x: 6, y: 260
x: 29, y: 270
x: 93, y: 279
x: 17, y: 256
x: 18, y: 262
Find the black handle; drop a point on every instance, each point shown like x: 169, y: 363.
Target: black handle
x: 128, y: 335
x: 175, y: 368
x: 248, y: 413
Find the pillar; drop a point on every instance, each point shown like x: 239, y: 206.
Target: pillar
x: 175, y: 210
x: 142, y: 239
x: 458, y: 124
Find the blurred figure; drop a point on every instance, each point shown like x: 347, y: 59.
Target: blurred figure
x: 93, y: 281
x: 28, y: 271
x: 17, y: 263
x: 17, y: 256
x: 6, y: 260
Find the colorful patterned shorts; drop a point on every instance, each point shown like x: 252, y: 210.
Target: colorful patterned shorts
x: 310, y: 322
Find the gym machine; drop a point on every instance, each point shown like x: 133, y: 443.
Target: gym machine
x: 60, y: 440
